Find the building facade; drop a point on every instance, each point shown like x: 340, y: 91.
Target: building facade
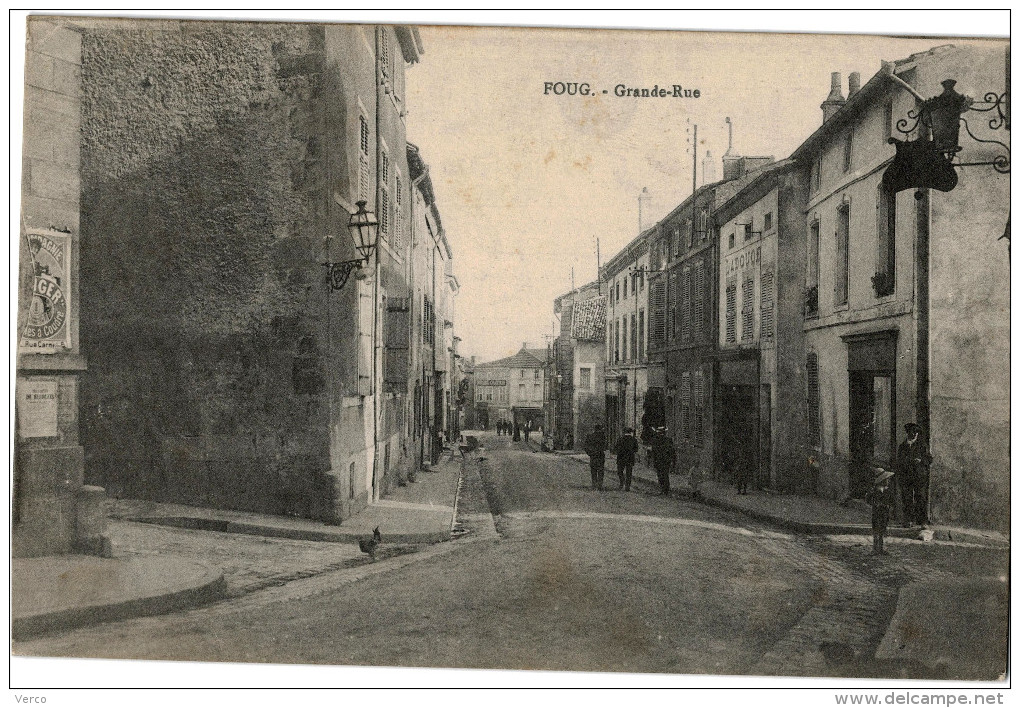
x: 512, y: 390
x: 759, y: 413
x: 896, y: 300
x: 625, y: 277
x: 578, y: 395
x: 228, y: 368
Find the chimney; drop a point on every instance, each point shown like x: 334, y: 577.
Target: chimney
x: 855, y: 84
x: 524, y: 345
x: 708, y: 168
x: 835, y: 100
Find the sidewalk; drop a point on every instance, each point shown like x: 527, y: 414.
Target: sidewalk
x: 801, y: 514
x: 146, y: 578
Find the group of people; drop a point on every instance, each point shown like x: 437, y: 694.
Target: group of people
x: 663, y: 454
x: 912, y: 466
x: 505, y: 427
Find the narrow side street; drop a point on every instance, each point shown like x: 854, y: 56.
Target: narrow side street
x: 574, y: 580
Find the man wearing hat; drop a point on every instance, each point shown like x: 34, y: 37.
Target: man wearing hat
x: 626, y: 454
x: 882, y: 500
x: 663, y: 458
x: 912, y: 464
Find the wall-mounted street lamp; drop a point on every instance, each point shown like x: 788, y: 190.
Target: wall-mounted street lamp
x: 930, y: 159
x: 363, y: 227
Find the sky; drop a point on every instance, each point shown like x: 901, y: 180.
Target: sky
x: 526, y: 180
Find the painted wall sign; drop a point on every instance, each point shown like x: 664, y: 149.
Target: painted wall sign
x: 37, y: 407
x: 47, y: 330
x: 744, y: 259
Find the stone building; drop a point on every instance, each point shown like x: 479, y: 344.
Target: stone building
x: 220, y: 164
x: 511, y: 389
x: 907, y: 298
x: 626, y: 376
x: 683, y: 262
x: 53, y: 511
x: 578, y: 395
x: 759, y: 416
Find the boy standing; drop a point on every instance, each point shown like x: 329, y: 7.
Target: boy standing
x: 882, y: 501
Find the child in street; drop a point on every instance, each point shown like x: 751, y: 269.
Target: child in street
x: 882, y: 501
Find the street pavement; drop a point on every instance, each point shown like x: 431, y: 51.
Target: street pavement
x: 546, y: 573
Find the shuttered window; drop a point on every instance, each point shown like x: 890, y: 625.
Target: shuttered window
x: 698, y: 321
x: 768, y: 306
x: 731, y: 312
x: 633, y: 337
x: 747, y: 311
x: 398, y: 231
x: 671, y: 296
x: 842, y: 265
x: 685, y: 405
x: 657, y: 319
x: 699, y: 408
x: 685, y: 317
x: 814, y: 412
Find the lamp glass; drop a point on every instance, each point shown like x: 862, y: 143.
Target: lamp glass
x: 363, y: 227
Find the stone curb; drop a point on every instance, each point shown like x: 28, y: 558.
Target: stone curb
x: 211, y: 587
x: 242, y: 527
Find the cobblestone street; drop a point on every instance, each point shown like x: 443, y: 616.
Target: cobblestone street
x: 566, y: 579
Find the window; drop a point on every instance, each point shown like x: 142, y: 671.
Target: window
x: 610, y: 295
x: 885, y: 267
x: 703, y: 224
x: 685, y: 405
x: 657, y: 312
x: 689, y: 226
x: 623, y: 339
x: 633, y: 337
x: 364, y: 135
x: 673, y: 292
x: 398, y: 239
x: 624, y: 288
x: 732, y: 240
x: 585, y: 378
x: 816, y: 174
x: 731, y: 311
x: 617, y: 290
x: 747, y: 311
x: 616, y: 339
x: 747, y: 231
x: 364, y: 174
x: 848, y: 149
x: 814, y: 412
x: 523, y: 374
x: 698, y: 321
x: 641, y: 277
x: 428, y: 322
x: 384, y: 168
x: 685, y: 316
x: 698, y: 414
x: 641, y: 335
x: 842, y: 265
x: 676, y: 241
x: 488, y: 397
x: 768, y: 221
x: 537, y: 371
x: 768, y: 305
x: 811, y: 292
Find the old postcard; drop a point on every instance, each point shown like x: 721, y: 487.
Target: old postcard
x: 616, y: 351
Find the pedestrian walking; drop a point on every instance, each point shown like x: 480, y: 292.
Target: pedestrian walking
x: 517, y: 431
x: 595, y: 446
x: 626, y: 453
x: 663, y: 458
x: 882, y: 500
x: 913, y: 463
x: 527, y: 431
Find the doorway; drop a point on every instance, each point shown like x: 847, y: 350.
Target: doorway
x: 737, y: 432
x: 872, y: 426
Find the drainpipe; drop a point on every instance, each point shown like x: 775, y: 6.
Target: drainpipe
x: 375, y: 286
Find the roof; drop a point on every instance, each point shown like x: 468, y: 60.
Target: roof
x: 589, y: 319
x: 524, y: 359
x: 735, y: 202
x: 861, y: 99
x: 540, y: 354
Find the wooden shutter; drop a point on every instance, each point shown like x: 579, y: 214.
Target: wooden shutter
x: 768, y: 305
x: 747, y: 311
x: 657, y: 320
x: 814, y: 412
x: 698, y: 321
x: 396, y: 365
x: 685, y: 405
x: 731, y: 312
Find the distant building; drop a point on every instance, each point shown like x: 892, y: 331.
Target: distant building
x: 578, y: 396
x: 512, y: 389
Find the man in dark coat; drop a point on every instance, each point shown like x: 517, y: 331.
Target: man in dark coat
x: 595, y: 446
x: 626, y: 454
x: 912, y: 465
x: 663, y: 458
